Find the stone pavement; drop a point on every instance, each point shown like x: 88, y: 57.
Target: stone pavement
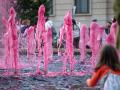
x: 32, y: 81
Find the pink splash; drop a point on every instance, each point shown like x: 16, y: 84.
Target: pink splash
x: 69, y: 42
x: 4, y: 7
x: 5, y: 23
x: 6, y: 42
x: 83, y: 41
x: 111, y: 38
x: 31, y: 44
x: 7, y: 49
x: 60, y: 39
x: 113, y: 29
x: 93, y: 41
x: 13, y: 38
x: 48, y: 27
x: 41, y: 38
x: 99, y: 37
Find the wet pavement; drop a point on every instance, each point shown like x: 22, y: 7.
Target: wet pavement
x: 27, y: 79
x: 45, y: 83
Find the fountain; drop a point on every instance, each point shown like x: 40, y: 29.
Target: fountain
x: 42, y: 35
x: 111, y: 38
x: 40, y: 60
x: 61, y: 37
x: 83, y: 41
x: 48, y: 27
x: 93, y: 40
x: 31, y: 44
x: 69, y: 42
x: 13, y: 40
x: 40, y: 39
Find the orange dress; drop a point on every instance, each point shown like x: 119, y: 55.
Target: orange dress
x: 99, y: 74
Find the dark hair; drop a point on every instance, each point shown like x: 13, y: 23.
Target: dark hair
x: 114, y: 20
x: 109, y: 57
x: 109, y: 22
x: 73, y: 21
x: 94, y: 20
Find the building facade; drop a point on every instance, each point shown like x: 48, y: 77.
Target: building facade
x: 85, y: 11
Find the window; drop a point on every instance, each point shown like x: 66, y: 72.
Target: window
x: 82, y: 6
x: 51, y: 5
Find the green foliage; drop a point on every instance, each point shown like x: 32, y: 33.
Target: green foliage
x: 117, y: 16
x: 28, y: 9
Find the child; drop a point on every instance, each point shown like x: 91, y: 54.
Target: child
x: 109, y: 67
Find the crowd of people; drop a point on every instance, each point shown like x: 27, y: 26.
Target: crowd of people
x: 22, y: 25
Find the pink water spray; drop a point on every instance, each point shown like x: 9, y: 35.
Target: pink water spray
x: 69, y: 42
x: 41, y: 37
x: 48, y: 27
x: 12, y: 31
x: 99, y: 38
x: 6, y: 42
x: 31, y: 44
x: 93, y: 41
x: 111, y: 38
x: 60, y: 39
x: 83, y: 41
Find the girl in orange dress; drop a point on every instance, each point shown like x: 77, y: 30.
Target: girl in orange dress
x: 109, y: 67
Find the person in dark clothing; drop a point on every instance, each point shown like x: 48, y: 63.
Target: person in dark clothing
x: 22, y: 29
x: 114, y: 20
x: 76, y: 34
x: 24, y: 25
x: 107, y: 27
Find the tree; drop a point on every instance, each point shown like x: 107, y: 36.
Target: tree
x: 27, y: 9
x: 117, y: 16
